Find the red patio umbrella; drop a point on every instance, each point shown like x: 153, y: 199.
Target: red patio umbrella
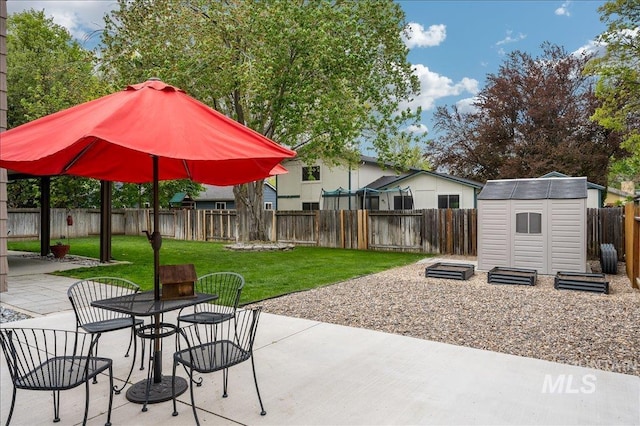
x: 146, y: 133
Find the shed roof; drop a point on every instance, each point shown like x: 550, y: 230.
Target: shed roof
x: 534, y: 189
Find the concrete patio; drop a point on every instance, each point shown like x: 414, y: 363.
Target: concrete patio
x: 315, y: 373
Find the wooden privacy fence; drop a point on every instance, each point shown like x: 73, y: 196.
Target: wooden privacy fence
x: 632, y: 243
x: 443, y: 231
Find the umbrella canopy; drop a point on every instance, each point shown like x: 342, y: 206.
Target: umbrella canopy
x: 115, y: 137
x: 146, y: 133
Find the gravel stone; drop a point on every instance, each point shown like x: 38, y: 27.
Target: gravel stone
x: 586, y: 329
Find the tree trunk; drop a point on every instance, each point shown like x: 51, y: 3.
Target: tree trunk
x: 250, y: 208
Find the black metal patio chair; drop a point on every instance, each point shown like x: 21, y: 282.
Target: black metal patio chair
x: 227, y: 286
x: 53, y: 360
x: 206, y: 348
x: 96, y: 321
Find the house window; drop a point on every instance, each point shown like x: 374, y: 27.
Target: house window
x: 448, y: 201
x: 402, y: 202
x: 268, y: 205
x: 310, y: 206
x: 372, y: 203
x: 221, y: 205
x: 310, y: 173
x: 528, y: 223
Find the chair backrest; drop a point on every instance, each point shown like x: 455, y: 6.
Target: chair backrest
x: 82, y: 293
x: 221, y: 345
x: 227, y: 285
x: 46, y: 359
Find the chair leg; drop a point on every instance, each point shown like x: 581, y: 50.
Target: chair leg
x: 108, y: 423
x: 142, y: 355
x: 225, y: 380
x: 133, y: 336
x: 13, y: 404
x: 173, y: 389
x: 133, y: 362
x: 193, y: 402
x: 255, y: 380
x: 86, y: 401
x: 95, y: 378
x: 56, y: 406
x: 149, y: 379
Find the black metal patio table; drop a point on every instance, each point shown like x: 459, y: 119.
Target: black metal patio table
x: 157, y: 388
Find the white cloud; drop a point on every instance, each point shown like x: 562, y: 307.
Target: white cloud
x: 80, y: 17
x: 417, y: 129
x: 466, y: 105
x: 434, y: 86
x: 594, y: 47
x: 511, y: 39
x: 417, y: 36
x: 564, y: 9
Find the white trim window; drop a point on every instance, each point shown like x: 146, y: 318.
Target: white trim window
x: 528, y: 223
x: 448, y: 201
x: 221, y: 205
x: 268, y: 205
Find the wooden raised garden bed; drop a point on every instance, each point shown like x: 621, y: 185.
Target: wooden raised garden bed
x: 452, y: 271
x: 583, y: 282
x: 501, y: 275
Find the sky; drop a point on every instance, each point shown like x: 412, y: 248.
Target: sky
x: 454, y: 44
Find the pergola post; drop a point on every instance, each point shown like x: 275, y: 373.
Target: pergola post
x: 105, y: 221
x: 45, y: 215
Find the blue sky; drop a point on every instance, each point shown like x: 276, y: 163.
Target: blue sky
x: 454, y: 43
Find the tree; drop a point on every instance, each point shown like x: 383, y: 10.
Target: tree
x: 47, y: 71
x: 320, y: 77
x: 618, y: 74
x: 533, y: 117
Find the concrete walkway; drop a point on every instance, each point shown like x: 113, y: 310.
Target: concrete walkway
x: 313, y: 373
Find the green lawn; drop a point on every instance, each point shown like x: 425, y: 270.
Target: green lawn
x: 267, y: 274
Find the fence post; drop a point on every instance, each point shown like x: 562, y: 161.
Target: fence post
x: 631, y: 243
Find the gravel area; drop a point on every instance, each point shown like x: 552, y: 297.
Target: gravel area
x: 573, y: 327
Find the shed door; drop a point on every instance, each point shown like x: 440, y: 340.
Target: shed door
x: 528, y: 228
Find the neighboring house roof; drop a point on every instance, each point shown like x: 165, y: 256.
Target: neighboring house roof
x: 215, y: 193
x: 534, y: 189
x: 590, y: 185
x: 619, y: 192
x: 396, y: 180
x: 389, y: 180
x: 383, y: 181
x: 221, y: 193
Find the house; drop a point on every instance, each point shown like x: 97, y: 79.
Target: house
x: 370, y: 186
x: 595, y: 193
x: 534, y: 224
x: 220, y: 198
x: 618, y: 197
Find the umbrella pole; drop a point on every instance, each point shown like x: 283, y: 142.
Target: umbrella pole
x: 156, y: 243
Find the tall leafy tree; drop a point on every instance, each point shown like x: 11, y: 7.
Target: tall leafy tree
x: 47, y: 71
x: 532, y: 117
x: 618, y: 72
x: 318, y: 76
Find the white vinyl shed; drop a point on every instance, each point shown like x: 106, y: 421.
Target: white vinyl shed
x: 533, y: 223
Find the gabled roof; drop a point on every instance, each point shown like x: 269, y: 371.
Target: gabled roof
x: 590, y: 185
x: 221, y: 193
x: 534, y: 189
x: 383, y: 181
x: 413, y: 172
x: 215, y: 193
